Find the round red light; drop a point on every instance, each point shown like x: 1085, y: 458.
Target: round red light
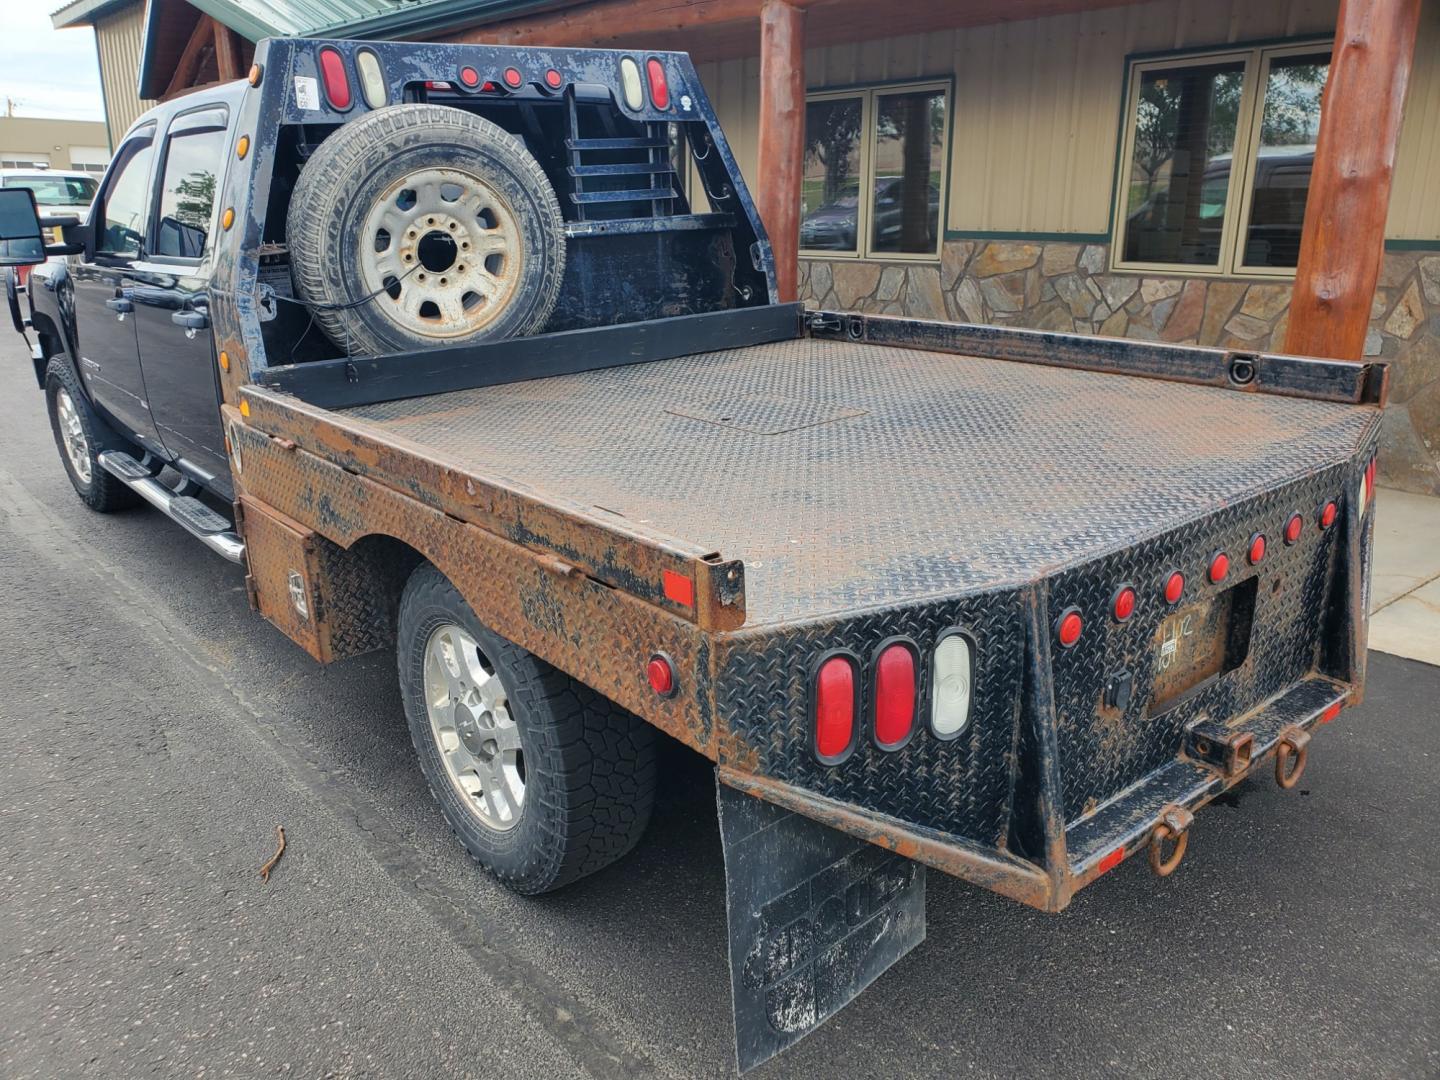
x: 469, y: 76
x: 1219, y: 567
x: 552, y: 79
x: 1293, y: 528
x: 1174, y: 587
x: 1124, y: 603
x: 661, y: 676
x: 1069, y: 628
x: 1327, y: 516
x: 1257, y: 548
x: 512, y: 77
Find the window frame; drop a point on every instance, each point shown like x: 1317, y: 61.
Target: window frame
x: 189, y: 122
x: 147, y: 133
x: 867, y: 94
x: 1256, y: 59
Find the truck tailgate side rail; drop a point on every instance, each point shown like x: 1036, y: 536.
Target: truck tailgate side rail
x: 678, y: 576
x: 1319, y: 379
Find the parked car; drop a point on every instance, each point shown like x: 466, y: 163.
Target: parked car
x: 831, y: 227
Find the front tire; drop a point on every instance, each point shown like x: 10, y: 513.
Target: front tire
x: 543, y: 780
x: 80, y: 436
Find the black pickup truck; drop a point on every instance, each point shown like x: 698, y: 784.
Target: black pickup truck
x: 434, y: 340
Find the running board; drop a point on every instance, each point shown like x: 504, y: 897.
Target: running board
x: 211, y: 529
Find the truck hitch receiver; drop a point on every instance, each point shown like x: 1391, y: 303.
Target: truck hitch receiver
x: 1291, y: 754
x: 1174, y: 828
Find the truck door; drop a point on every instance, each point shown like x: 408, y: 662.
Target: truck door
x: 105, y: 342
x: 169, y: 292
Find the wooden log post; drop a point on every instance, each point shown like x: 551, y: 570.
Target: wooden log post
x: 1343, y: 239
x: 782, y: 136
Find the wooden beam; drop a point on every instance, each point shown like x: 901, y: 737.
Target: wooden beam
x: 189, y: 62
x: 781, y: 154
x: 1343, y: 239
x: 227, y: 52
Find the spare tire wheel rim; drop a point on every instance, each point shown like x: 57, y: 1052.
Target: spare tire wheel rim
x: 469, y: 711
x: 442, y: 250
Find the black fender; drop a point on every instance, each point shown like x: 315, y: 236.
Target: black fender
x: 52, y: 315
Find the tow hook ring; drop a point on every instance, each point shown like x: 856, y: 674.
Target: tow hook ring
x: 1174, y: 828
x: 1291, y: 754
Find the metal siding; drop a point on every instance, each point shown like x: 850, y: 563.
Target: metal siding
x: 1415, y: 197
x: 118, y: 38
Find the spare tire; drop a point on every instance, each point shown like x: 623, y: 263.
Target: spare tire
x: 420, y: 225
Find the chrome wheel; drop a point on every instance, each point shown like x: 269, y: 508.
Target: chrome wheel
x: 72, y: 435
x: 443, y: 246
x: 470, y: 718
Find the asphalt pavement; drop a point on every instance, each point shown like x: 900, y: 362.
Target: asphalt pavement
x: 153, y: 733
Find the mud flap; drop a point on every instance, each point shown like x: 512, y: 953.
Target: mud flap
x: 815, y: 917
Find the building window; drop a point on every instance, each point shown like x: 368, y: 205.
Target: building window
x: 875, y: 172
x: 1215, y: 165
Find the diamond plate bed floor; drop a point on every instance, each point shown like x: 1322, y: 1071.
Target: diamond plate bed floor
x: 852, y: 475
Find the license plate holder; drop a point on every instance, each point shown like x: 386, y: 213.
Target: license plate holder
x: 1199, y: 643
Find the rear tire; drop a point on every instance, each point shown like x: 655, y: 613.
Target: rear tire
x: 80, y: 436
x: 543, y: 780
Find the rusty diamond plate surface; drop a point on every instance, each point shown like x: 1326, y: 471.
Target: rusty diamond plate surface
x: 916, y: 474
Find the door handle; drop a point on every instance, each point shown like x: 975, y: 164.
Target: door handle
x: 190, y: 320
x: 120, y: 304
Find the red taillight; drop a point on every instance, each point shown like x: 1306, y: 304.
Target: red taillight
x: 1174, y: 587
x: 834, y: 709
x: 1124, y: 603
x: 1219, y: 567
x: 895, y: 690
x: 1327, y: 515
x: 659, y: 88
x: 513, y: 78
x: 1293, y: 528
x: 552, y: 79
x: 337, y: 82
x: 1257, y: 548
x: 1069, y: 627
x: 469, y: 77
x: 661, y: 675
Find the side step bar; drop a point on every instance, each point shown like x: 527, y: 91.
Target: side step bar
x: 210, y: 528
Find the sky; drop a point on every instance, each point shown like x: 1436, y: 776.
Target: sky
x: 44, y: 71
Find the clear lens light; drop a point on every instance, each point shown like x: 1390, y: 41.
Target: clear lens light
x: 630, y: 84
x: 950, y: 710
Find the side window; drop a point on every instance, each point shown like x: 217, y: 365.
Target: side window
x: 122, y: 209
x: 187, y: 192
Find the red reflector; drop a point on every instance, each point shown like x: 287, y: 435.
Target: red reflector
x: 1257, y: 548
x: 1109, y: 862
x: 1219, y: 567
x: 894, y: 696
x: 1370, y: 480
x: 659, y: 89
x: 678, y: 588
x: 469, y: 77
x: 1174, y: 587
x: 513, y: 78
x: 1124, y: 603
x: 337, y: 83
x: 1332, y: 712
x: 1327, y: 516
x: 661, y: 675
x: 1293, y: 528
x: 552, y: 79
x: 834, y: 708
x: 1069, y: 627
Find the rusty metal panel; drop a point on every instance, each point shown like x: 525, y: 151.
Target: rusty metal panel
x: 282, y: 576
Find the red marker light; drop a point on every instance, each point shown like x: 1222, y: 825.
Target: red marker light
x: 1174, y: 587
x: 1069, y: 627
x: 895, y: 689
x: 513, y: 78
x: 834, y: 708
x: 1109, y: 862
x: 1293, y: 529
x: 469, y: 77
x: 1219, y: 567
x: 1124, y: 603
x: 337, y: 82
x: 659, y: 89
x: 1257, y: 549
x: 552, y: 79
x: 661, y: 675
x: 1327, y: 515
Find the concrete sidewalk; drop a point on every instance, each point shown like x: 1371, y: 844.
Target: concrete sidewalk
x: 1405, y: 586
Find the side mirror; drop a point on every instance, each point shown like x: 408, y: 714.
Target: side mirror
x: 21, y: 241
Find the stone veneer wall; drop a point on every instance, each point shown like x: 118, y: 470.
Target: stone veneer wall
x: 1050, y: 285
